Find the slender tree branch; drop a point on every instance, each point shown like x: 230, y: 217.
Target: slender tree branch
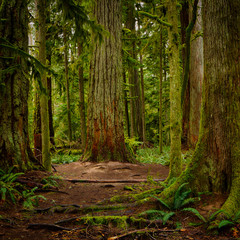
x: 155, y: 17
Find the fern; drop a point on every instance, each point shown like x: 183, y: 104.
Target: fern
x: 161, y: 202
x: 167, y: 216
x: 158, y: 215
x: 225, y: 223
x: 196, y: 213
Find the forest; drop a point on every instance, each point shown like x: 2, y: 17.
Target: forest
x: 119, y: 119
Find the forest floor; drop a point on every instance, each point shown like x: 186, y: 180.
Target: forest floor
x: 63, y: 214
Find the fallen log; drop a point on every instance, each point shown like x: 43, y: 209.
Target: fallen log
x: 111, y: 181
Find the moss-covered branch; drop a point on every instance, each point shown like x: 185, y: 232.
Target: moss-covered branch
x: 2, y: 6
x: 188, y: 48
x: 155, y: 17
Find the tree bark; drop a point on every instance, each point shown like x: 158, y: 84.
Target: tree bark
x: 160, y: 93
x: 41, y: 6
x: 14, y: 87
x: 133, y: 78
x: 105, y: 133
x: 196, y: 79
x: 81, y: 97
x: 215, y: 164
x: 67, y: 85
x: 126, y: 104
x: 175, y: 91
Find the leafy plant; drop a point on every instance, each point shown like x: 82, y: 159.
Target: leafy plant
x: 9, y: 185
x: 210, y: 220
x: 132, y: 144
x: 30, y: 199
x: 64, y: 158
x: 181, y: 199
x: 50, y: 181
x: 158, y: 215
x: 152, y: 155
x: 230, y: 221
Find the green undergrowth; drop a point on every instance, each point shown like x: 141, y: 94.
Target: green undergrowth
x: 141, y: 197
x: 13, y: 192
x: 65, y: 157
x: 153, y: 156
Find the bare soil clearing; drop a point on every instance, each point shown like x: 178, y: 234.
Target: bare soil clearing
x: 72, y: 198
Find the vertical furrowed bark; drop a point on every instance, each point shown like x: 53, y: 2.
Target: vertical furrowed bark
x: 14, y: 141
x: 105, y: 136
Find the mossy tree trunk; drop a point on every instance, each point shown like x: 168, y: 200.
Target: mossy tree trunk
x: 105, y: 134
x: 14, y: 87
x: 160, y: 93
x: 42, y: 6
x: 37, y: 131
x: 215, y: 165
x: 175, y: 91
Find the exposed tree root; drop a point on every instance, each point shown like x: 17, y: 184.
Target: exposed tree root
x: 141, y: 231
x: 111, y: 181
x: 74, y: 208
x: 52, y: 227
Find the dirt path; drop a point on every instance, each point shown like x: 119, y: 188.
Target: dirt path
x: 15, y: 222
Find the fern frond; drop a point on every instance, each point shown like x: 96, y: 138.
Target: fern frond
x: 225, y: 223
x: 187, y: 201
x: 161, y: 202
x: 214, y: 215
x: 196, y: 213
x: 167, y: 216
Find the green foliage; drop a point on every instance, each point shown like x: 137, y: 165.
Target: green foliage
x: 61, y: 158
x: 13, y: 191
x: 132, y: 144
x: 30, y: 199
x: 50, y: 181
x: 230, y: 221
x: 196, y: 213
x: 8, y: 185
x: 152, y: 155
x: 157, y: 215
x: 181, y: 199
x: 211, y: 222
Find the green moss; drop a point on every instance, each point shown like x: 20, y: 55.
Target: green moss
x: 117, y: 221
x: 134, y: 197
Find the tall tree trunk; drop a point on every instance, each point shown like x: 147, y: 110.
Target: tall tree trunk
x: 37, y: 132
x: 41, y: 6
x: 81, y: 97
x: 14, y: 87
x: 50, y: 111
x: 67, y: 85
x: 142, y: 90
x: 160, y: 93
x: 126, y: 103
x: 105, y: 133
x: 133, y: 76
x: 215, y: 165
x: 175, y: 91
x: 196, y: 79
x: 184, y: 18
